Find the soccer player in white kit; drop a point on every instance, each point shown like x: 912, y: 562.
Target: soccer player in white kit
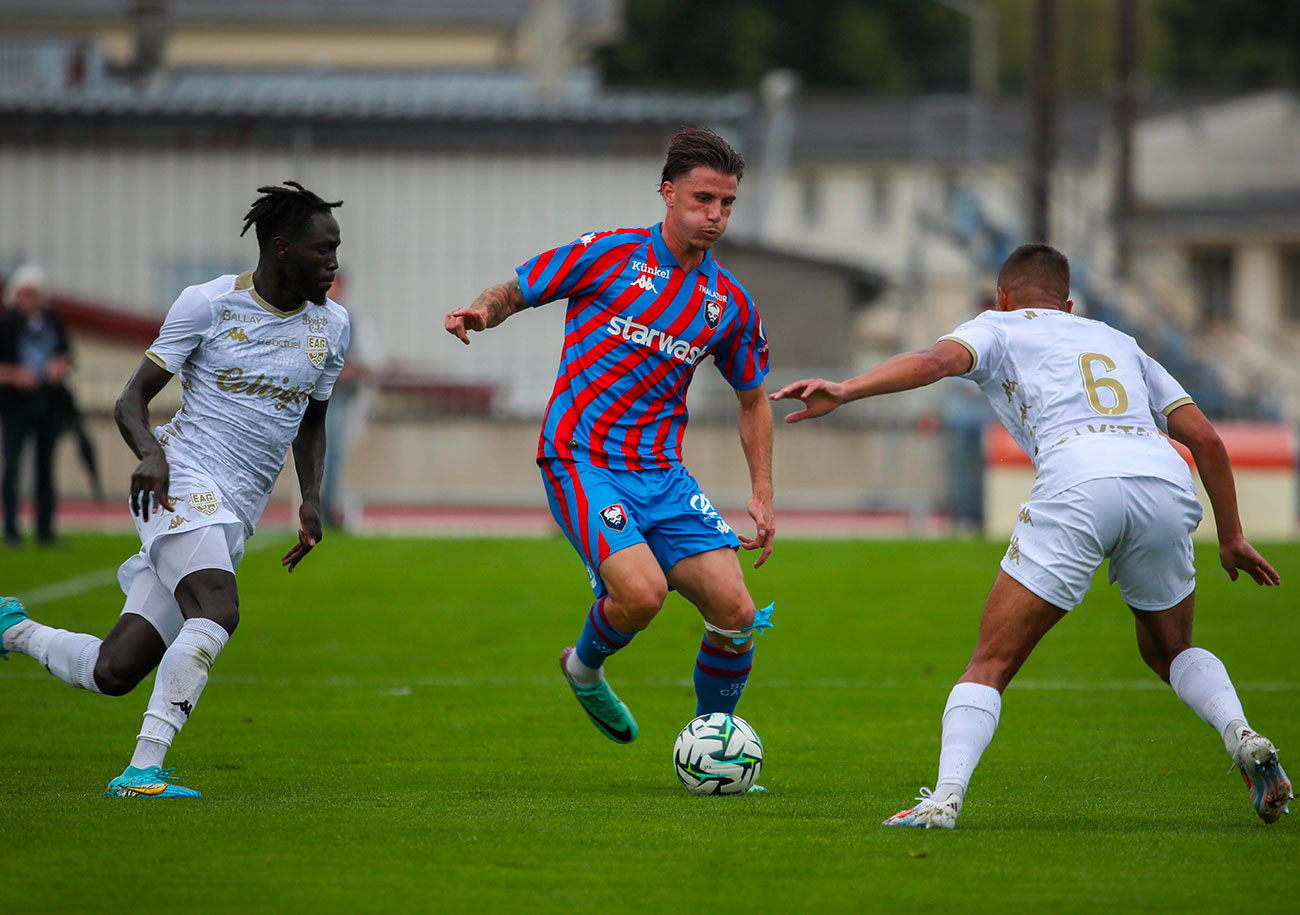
x: 1085, y: 402
x: 258, y: 355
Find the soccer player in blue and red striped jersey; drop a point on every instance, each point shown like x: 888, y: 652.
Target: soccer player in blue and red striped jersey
x: 645, y: 307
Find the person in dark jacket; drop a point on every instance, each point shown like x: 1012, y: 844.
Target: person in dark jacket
x: 34, y: 359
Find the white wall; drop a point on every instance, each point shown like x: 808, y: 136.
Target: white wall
x: 422, y: 233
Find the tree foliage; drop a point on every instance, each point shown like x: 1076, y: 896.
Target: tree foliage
x: 924, y: 46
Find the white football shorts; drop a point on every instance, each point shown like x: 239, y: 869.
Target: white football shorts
x: 200, y: 533
x: 1143, y: 525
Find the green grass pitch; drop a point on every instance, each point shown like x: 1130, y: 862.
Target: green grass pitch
x: 388, y: 731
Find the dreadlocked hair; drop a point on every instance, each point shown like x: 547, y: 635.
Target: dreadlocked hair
x: 283, y: 211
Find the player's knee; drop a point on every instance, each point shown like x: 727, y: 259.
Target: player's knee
x: 117, y: 676
x: 1160, y: 657
x: 737, y: 616
x: 210, y: 594
x: 640, y: 602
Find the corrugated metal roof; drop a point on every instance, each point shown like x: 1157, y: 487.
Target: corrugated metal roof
x: 386, y: 96
x: 848, y: 127
x: 386, y: 12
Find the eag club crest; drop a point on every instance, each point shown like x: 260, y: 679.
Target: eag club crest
x: 614, y: 516
x: 712, y: 313
x: 317, y: 348
x: 205, y: 502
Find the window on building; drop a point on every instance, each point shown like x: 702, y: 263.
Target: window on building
x: 878, y: 199
x: 810, y: 198
x: 1212, y: 280
x: 1291, y: 291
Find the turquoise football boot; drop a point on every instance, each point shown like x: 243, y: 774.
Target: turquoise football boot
x: 150, y: 782
x: 11, y: 614
x: 606, y: 711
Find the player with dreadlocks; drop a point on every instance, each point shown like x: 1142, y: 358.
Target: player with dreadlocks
x: 258, y: 355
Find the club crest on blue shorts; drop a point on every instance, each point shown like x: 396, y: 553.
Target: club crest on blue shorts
x: 614, y: 516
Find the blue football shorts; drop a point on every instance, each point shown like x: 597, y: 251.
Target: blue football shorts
x: 603, y: 511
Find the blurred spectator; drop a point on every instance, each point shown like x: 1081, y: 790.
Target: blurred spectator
x: 346, y: 416
x: 34, y: 359
x: 966, y: 412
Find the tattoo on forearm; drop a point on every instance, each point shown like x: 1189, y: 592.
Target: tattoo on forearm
x: 500, y: 301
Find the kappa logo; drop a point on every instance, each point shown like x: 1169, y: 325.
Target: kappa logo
x: 712, y: 313
x: 647, y: 282
x: 614, y: 516
x: 185, y: 706
x: 317, y: 348
x: 177, y: 521
x: 237, y: 334
x: 587, y: 239
x: 205, y: 502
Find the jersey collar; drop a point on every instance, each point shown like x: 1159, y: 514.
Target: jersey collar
x: 244, y: 283
x: 664, y: 255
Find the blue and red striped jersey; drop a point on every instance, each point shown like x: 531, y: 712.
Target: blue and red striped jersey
x: 637, y: 325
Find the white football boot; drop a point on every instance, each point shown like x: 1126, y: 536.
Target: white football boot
x: 929, y: 813
x: 1270, y: 789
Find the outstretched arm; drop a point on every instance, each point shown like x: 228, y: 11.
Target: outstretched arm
x: 756, y: 440
x: 1188, y: 426
x: 897, y: 373
x: 494, y: 305
x: 309, y: 462
x: 151, y: 477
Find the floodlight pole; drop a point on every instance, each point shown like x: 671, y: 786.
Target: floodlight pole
x: 1042, y: 120
x: 983, y: 18
x: 1125, y: 110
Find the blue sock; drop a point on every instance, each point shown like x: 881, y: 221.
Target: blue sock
x: 720, y: 678
x: 599, y: 639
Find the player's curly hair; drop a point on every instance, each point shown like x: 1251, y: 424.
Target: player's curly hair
x: 694, y: 146
x: 283, y: 211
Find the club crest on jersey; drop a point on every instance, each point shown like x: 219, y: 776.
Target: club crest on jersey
x: 712, y: 313
x: 317, y: 347
x: 614, y: 516
x: 205, y: 502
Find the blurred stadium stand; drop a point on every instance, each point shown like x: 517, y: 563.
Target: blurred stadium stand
x: 467, y: 136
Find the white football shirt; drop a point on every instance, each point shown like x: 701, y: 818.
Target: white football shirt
x: 1082, y: 399
x: 246, y: 371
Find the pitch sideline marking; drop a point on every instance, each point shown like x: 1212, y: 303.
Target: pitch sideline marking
x: 90, y: 581
x: 402, y: 687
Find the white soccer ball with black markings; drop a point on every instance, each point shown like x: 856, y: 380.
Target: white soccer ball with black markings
x: 718, y: 754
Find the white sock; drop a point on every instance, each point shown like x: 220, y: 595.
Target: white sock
x: 580, y: 673
x: 70, y: 656
x: 182, y: 674
x: 969, y: 720
x: 1202, y: 682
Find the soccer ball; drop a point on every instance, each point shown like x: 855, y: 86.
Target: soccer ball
x: 718, y: 754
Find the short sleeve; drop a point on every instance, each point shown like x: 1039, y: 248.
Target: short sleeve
x: 188, y: 321
x: 742, y: 357
x: 333, y: 363
x: 1164, y: 394
x: 576, y: 268
x: 986, y: 345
